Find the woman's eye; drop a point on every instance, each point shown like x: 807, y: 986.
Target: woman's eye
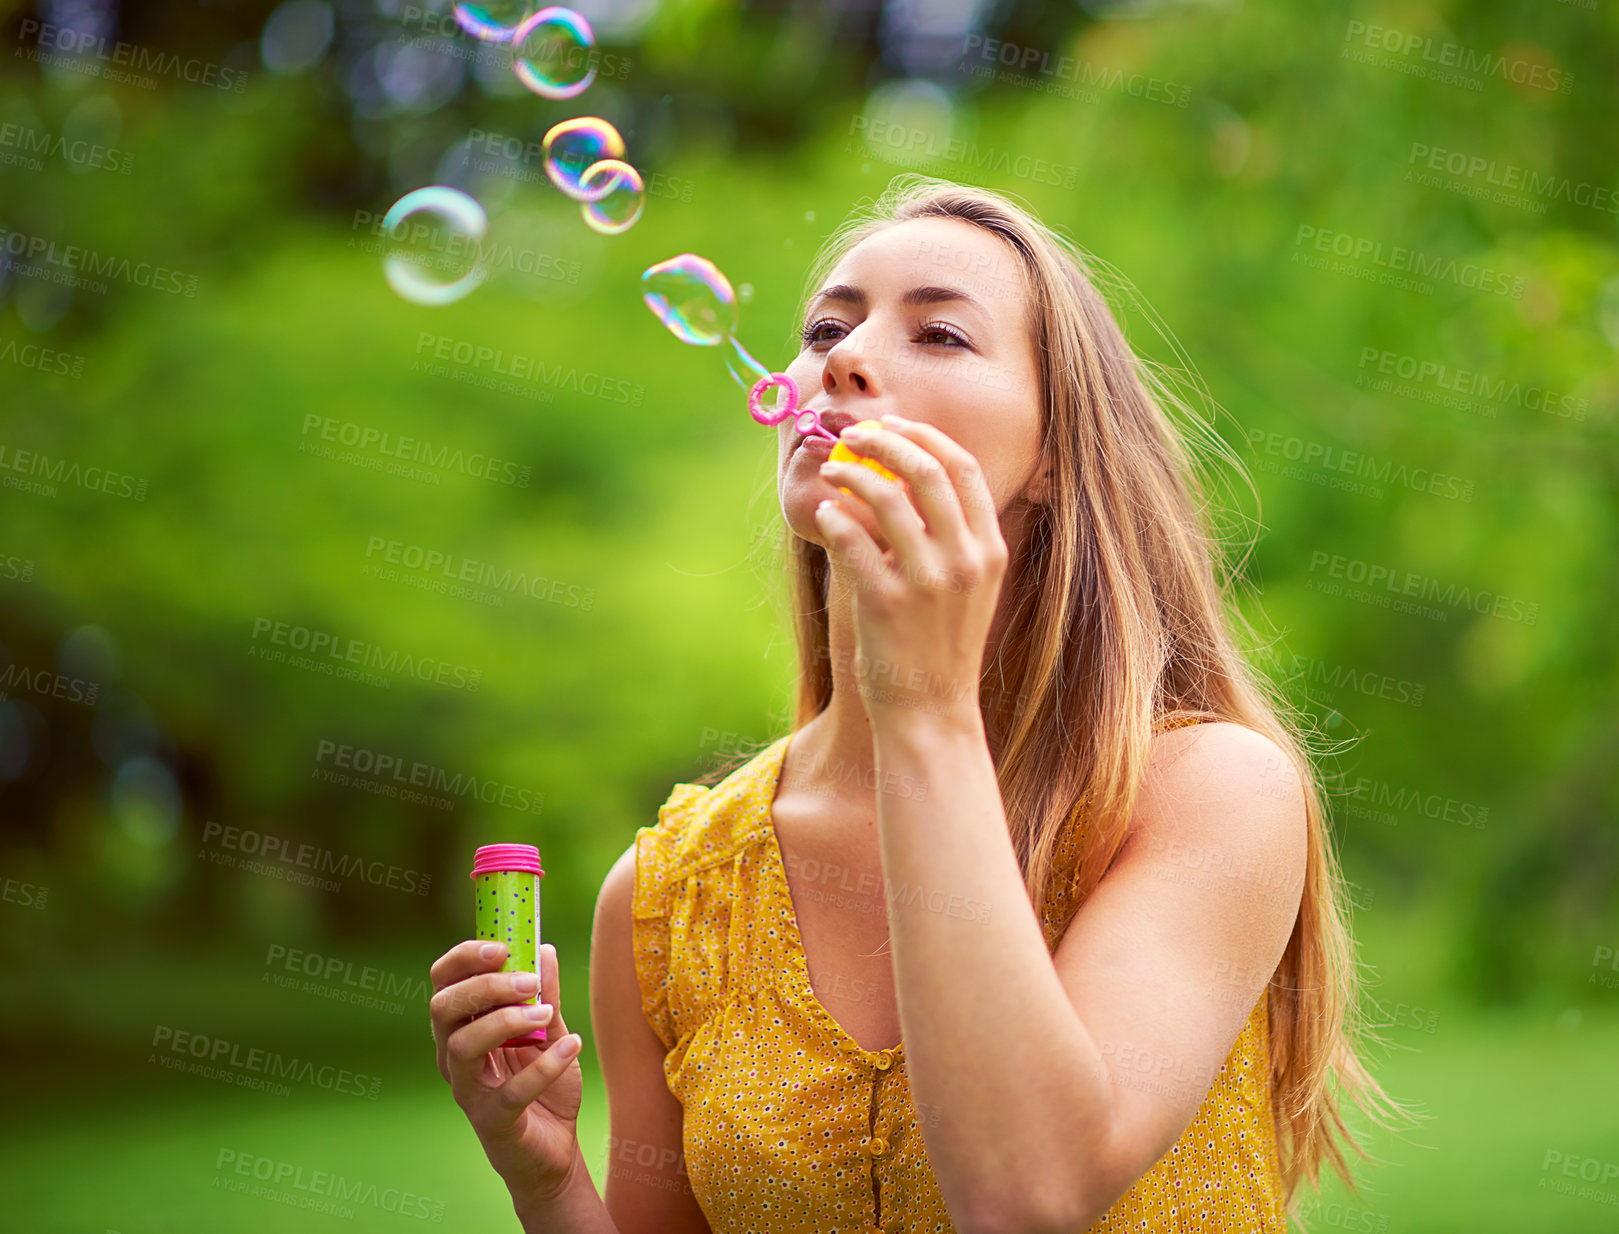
x: 941, y: 334
x: 816, y: 332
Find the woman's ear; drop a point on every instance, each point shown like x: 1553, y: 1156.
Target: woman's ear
x: 1038, y: 490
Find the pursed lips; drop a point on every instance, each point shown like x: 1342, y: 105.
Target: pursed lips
x: 833, y: 422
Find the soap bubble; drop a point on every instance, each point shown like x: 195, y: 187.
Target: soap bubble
x: 552, y: 53
x: 617, y: 209
x: 574, y: 147
x: 693, y: 298
x: 493, y: 21
x: 450, y: 239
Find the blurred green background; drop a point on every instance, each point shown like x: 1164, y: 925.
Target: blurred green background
x: 1381, y: 234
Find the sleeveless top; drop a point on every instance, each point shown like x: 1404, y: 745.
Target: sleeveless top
x: 790, y: 1126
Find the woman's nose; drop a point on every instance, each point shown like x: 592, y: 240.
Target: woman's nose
x: 850, y: 367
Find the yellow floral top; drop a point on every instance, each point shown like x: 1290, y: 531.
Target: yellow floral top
x: 791, y: 1127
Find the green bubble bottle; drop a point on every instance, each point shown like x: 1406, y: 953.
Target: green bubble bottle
x: 506, y: 896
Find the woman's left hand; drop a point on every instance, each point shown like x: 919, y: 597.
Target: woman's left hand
x: 923, y: 607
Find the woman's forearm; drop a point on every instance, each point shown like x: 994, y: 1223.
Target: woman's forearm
x: 577, y: 1209
x: 992, y: 1043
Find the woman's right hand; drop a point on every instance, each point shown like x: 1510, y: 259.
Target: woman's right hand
x: 523, y: 1103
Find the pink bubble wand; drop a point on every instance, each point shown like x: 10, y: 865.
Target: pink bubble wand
x: 806, y: 422
x: 692, y: 297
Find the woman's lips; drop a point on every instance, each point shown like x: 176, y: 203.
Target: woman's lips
x: 816, y: 444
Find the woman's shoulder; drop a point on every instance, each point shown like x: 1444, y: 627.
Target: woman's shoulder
x: 704, y: 825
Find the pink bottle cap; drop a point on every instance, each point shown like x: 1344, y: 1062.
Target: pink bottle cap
x: 525, y: 858
x: 491, y: 858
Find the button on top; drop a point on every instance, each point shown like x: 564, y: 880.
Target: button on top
x: 883, y: 1061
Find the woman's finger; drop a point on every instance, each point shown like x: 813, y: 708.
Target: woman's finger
x: 966, y: 476
x: 454, y: 1005
x: 551, y: 991
x: 532, y: 1081
x: 470, y: 1044
x: 851, y: 546
x: 461, y: 961
x: 896, y: 518
x: 931, y: 488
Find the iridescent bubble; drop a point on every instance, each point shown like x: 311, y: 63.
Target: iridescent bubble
x: 553, y: 53
x: 573, y: 148
x: 438, y: 259
x: 493, y: 21
x: 618, y: 208
x: 742, y: 366
x: 693, y: 298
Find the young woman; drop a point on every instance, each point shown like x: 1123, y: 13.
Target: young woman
x: 1031, y: 923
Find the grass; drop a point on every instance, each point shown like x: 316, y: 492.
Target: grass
x: 112, y: 1142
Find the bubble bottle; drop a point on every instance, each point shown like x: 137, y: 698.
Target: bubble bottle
x: 506, y: 899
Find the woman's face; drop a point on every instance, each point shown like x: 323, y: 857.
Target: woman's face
x: 927, y: 319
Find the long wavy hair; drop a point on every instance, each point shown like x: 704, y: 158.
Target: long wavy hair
x: 1119, y: 612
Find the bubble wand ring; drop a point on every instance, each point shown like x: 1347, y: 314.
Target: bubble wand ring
x: 807, y: 421
x: 789, y: 399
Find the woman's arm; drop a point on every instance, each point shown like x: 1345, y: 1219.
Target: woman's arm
x: 1034, y: 1066
x: 1058, y: 1085
x: 647, y: 1191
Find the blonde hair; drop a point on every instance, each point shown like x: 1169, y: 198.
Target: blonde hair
x: 1116, y: 619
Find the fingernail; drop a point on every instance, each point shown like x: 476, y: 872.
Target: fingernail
x: 541, y: 1011
x: 490, y: 950
x: 569, y: 1046
x: 525, y: 983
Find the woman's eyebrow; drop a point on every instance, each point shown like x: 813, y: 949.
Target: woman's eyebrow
x: 847, y: 294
